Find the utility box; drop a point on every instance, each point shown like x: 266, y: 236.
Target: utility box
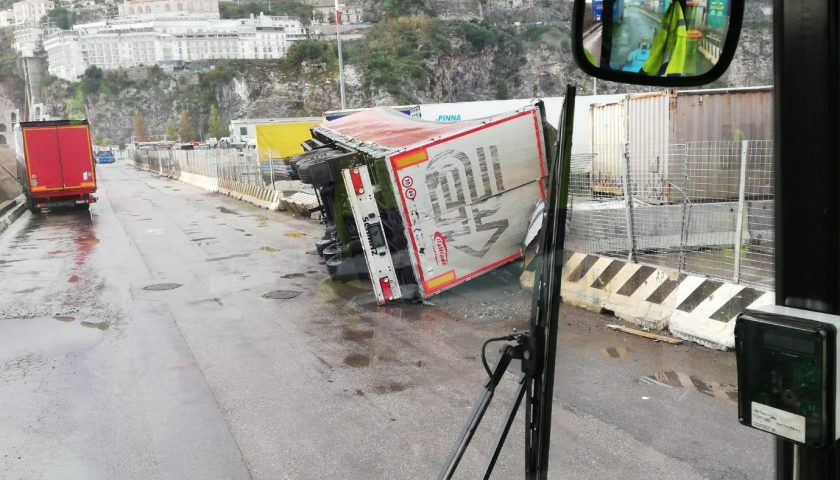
x: 787, y: 373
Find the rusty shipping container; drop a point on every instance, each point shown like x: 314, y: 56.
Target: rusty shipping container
x: 646, y: 135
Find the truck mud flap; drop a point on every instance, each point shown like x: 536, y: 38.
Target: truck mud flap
x: 372, y: 234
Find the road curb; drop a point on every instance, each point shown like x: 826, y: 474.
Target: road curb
x: 691, y: 307
x: 13, y: 213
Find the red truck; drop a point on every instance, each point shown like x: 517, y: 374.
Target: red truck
x: 55, y: 164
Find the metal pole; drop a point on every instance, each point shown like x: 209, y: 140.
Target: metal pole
x: 271, y: 166
x: 739, y: 221
x: 340, y: 56
x: 628, y: 205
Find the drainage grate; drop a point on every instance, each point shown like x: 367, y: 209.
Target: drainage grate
x: 159, y: 287
x: 281, y: 294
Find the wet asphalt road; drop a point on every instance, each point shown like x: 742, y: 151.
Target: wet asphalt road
x: 103, y: 378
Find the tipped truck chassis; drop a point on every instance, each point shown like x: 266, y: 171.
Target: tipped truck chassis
x: 55, y: 163
x: 420, y: 207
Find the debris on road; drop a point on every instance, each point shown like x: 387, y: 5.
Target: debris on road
x: 642, y: 333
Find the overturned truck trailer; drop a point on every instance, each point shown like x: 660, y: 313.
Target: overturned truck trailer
x: 420, y: 206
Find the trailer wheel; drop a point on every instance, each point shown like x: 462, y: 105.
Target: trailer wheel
x: 83, y: 206
x: 322, y: 244
x: 30, y: 204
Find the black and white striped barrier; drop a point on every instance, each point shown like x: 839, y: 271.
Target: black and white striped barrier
x: 693, y: 308
x: 259, y: 196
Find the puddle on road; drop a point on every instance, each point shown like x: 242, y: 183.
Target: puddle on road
x: 295, y: 235
x: 202, y: 239
x: 228, y: 211
x: 64, y: 318
x: 102, y: 326
x: 357, y: 360
x: 282, y: 294
x: 614, y: 352
x: 43, y: 336
x: 673, y: 379
x: 293, y: 275
x: 270, y: 249
x: 357, y: 335
x: 391, y: 387
x: 229, y: 257
x: 159, y: 287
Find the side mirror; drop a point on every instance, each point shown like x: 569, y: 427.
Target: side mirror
x: 656, y: 42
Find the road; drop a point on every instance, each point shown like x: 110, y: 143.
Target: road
x: 106, y: 373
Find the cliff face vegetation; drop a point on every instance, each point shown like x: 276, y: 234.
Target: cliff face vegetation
x: 417, y: 52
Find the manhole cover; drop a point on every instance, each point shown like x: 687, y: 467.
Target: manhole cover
x: 281, y: 294
x: 161, y: 286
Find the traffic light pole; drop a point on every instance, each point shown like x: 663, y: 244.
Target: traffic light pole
x: 806, y: 36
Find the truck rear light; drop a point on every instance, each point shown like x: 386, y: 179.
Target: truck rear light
x: 385, y: 284
x: 357, y: 181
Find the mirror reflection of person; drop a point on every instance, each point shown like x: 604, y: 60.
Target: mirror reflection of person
x: 668, y: 51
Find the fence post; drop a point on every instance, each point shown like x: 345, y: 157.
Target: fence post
x: 271, y: 166
x: 739, y: 221
x: 628, y: 205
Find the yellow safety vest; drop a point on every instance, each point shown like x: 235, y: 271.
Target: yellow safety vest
x: 670, y: 42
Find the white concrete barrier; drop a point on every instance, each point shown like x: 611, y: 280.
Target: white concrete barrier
x: 693, y: 308
x: 13, y: 213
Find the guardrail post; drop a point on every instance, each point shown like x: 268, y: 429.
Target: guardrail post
x: 271, y: 166
x: 739, y: 221
x: 628, y: 205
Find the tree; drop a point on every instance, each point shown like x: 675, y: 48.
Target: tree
x: 185, y: 127
x: 169, y: 128
x: 215, y: 125
x: 141, y: 133
x: 62, y: 18
x: 91, y: 80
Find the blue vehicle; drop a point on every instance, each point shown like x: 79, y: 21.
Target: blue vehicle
x: 637, y: 58
x: 105, y: 157
x: 618, y: 10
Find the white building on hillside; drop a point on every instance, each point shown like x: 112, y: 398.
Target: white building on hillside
x: 324, y: 10
x: 114, y: 44
x: 28, y: 40
x: 30, y: 12
x: 7, y: 18
x: 146, y: 7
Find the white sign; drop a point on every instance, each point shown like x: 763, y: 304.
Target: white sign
x: 779, y: 422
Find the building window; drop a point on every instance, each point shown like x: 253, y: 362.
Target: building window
x: 243, y: 131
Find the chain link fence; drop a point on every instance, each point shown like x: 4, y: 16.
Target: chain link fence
x: 703, y: 208
x: 241, y: 166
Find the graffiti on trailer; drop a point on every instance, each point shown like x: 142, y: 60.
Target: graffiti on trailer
x: 458, y: 197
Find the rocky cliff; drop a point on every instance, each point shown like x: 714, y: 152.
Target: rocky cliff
x: 418, y: 59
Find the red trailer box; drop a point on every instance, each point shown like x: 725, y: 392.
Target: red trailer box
x: 55, y: 163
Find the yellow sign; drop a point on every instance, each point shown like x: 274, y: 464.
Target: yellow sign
x: 281, y: 140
